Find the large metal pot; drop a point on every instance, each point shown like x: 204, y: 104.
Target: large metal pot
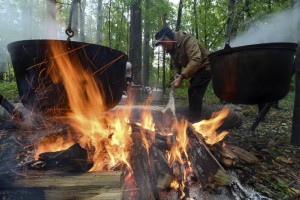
x: 32, y: 61
x: 253, y: 74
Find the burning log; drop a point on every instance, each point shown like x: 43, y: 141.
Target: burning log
x: 142, y: 167
x: 151, y: 173
x: 207, y: 169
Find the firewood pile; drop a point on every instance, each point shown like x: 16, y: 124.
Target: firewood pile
x: 151, y: 175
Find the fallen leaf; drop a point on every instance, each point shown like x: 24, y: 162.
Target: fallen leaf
x: 285, y: 160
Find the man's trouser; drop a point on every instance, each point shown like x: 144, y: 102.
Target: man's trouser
x: 198, y: 86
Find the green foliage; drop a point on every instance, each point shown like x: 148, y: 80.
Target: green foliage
x: 211, y: 21
x: 9, y: 90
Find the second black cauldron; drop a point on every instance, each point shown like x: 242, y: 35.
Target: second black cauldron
x: 253, y: 74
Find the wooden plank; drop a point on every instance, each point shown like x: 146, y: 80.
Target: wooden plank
x: 47, y: 179
x: 83, y: 193
x: 51, y: 185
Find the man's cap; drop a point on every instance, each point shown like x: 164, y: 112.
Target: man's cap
x: 165, y: 31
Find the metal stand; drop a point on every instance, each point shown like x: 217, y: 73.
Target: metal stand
x: 261, y: 115
x: 295, y: 137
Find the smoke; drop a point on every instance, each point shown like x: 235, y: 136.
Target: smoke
x: 278, y: 27
x: 25, y: 21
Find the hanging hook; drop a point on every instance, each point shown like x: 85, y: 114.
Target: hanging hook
x: 69, y: 31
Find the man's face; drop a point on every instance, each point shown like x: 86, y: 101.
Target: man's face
x: 168, y: 44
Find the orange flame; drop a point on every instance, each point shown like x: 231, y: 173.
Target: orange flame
x: 106, y: 135
x: 101, y: 133
x: 175, y: 154
x: 208, y: 128
x: 52, y: 143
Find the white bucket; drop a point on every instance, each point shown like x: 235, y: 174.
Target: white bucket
x: 157, y: 94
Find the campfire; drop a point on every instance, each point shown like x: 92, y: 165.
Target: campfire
x: 157, y: 162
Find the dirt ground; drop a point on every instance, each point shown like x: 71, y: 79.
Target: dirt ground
x: 277, y: 174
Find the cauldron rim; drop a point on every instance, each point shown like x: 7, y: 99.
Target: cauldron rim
x: 45, y: 41
x: 275, y: 45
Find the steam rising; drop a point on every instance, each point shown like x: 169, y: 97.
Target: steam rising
x: 24, y: 21
x: 278, y: 27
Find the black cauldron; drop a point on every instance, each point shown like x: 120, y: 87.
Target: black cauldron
x: 253, y: 74
x: 32, y: 60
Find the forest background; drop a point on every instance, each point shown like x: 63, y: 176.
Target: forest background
x: 130, y: 26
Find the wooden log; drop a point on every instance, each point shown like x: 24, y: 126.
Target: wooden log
x: 206, y: 167
x: 142, y: 166
x: 224, y: 155
x: 243, y: 154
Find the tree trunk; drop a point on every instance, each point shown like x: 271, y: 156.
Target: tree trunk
x: 269, y: 6
x: 135, y: 51
x: 99, y: 22
x: 196, y: 19
x: 295, y: 137
x: 146, y: 62
x: 109, y: 24
x: 179, y: 15
x: 230, y: 29
x: 206, y: 6
x: 247, y: 15
x: 164, y: 61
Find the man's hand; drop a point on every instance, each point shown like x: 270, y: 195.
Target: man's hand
x: 178, y: 79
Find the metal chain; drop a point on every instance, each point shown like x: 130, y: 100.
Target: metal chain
x: 69, y: 31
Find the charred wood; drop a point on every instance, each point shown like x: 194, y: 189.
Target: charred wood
x: 73, y: 159
x: 141, y: 166
x: 206, y: 167
x: 243, y: 154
